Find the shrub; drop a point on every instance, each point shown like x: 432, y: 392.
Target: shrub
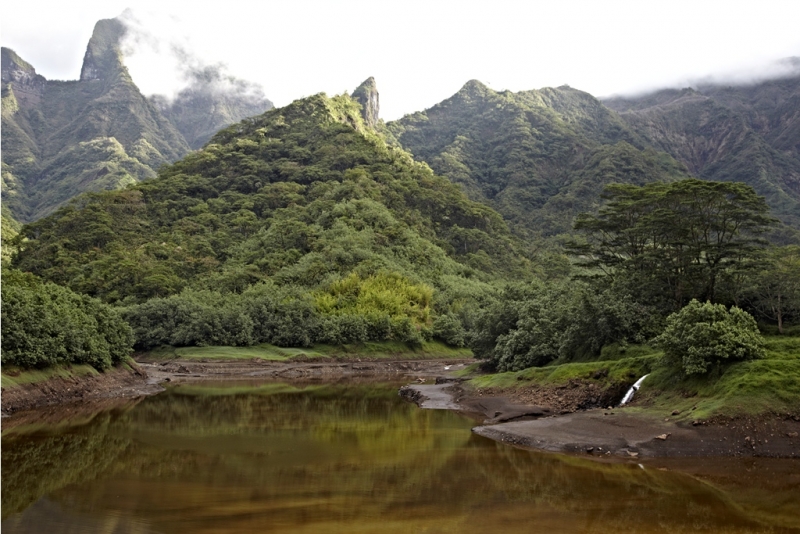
x: 45, y: 324
x: 449, y: 329
x: 702, y: 335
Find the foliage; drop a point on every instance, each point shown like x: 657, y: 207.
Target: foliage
x: 700, y: 336
x: 10, y: 229
x: 328, y: 234
x: 673, y: 242
x: 45, y: 324
x: 774, y: 289
x: 537, y: 324
x: 286, y: 316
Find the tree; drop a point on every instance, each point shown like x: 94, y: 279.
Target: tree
x: 775, y: 289
x: 701, y: 335
x: 674, y: 241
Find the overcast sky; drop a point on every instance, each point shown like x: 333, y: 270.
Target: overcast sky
x: 421, y: 52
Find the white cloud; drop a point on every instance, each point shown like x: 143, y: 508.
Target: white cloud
x: 421, y: 52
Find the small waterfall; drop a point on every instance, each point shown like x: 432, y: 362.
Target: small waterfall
x: 629, y: 395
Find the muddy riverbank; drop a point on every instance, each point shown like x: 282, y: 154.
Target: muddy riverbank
x: 629, y: 433
x: 553, y: 423
x: 149, y: 377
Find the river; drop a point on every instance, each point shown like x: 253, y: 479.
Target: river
x: 269, y: 457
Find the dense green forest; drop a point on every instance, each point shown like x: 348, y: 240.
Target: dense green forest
x: 541, y: 157
x: 745, y: 133
x: 308, y: 225
x: 538, y: 157
x: 298, y: 226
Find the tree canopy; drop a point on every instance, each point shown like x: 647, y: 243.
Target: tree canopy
x: 674, y: 241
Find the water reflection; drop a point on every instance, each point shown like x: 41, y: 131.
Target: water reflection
x: 275, y: 457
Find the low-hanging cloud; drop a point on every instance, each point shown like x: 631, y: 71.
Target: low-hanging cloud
x: 162, y: 62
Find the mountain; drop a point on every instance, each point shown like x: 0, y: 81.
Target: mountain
x: 210, y: 102
x: 62, y: 138
x: 538, y: 157
x: 301, y: 196
x: 747, y: 133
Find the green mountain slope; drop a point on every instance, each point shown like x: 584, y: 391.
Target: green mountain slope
x: 746, y: 133
x: 62, y: 138
x: 305, y: 195
x: 538, y: 157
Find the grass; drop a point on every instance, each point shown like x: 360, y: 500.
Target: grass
x: 368, y: 350
x: 13, y: 377
x: 771, y: 384
x: 603, y: 372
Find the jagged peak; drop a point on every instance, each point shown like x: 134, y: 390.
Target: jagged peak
x: 103, y: 55
x: 367, y: 95
x: 11, y: 60
x: 27, y: 86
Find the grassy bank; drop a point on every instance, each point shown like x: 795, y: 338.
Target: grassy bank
x: 13, y: 377
x: 369, y: 351
x: 771, y: 384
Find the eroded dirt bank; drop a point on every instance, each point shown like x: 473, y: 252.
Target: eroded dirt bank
x: 629, y: 433
x: 192, y: 370
x: 120, y: 382
x: 147, y: 378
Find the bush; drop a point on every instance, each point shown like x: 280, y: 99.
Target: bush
x: 702, y: 335
x: 45, y: 324
x: 449, y: 329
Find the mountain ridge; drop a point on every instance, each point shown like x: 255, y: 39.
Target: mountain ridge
x: 62, y: 138
x: 529, y: 154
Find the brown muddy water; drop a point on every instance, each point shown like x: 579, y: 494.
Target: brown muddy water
x: 236, y: 458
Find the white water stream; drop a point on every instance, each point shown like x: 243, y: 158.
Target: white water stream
x: 634, y: 388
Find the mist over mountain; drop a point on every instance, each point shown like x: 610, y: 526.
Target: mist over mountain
x: 61, y: 138
x: 212, y: 100
x: 748, y: 133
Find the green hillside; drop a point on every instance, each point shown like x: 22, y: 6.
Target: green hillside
x: 306, y: 200
x: 537, y: 157
x: 61, y: 138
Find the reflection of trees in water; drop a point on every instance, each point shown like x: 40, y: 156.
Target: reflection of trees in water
x: 35, y: 465
x: 616, y: 496
x: 329, y: 453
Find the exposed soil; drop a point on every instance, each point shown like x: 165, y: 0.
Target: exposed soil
x: 576, y: 395
x: 554, y: 424
x: 114, y: 383
x: 147, y: 378
x: 192, y: 370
